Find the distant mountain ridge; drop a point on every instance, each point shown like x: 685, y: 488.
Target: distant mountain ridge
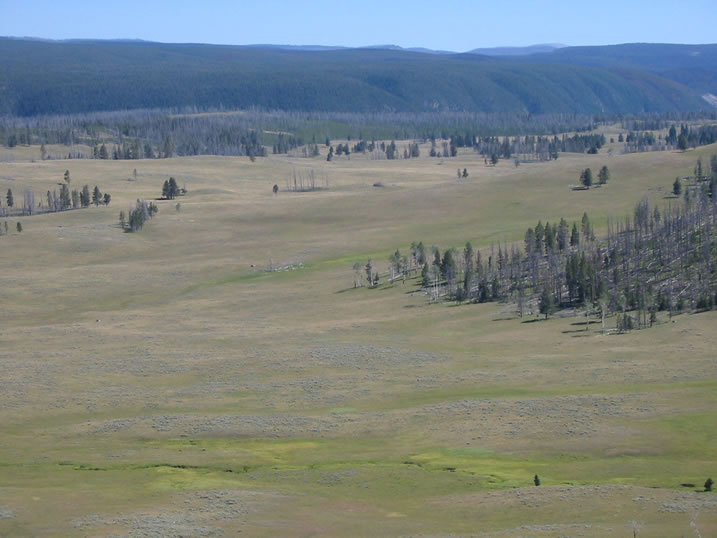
x: 51, y: 77
x: 695, y: 66
x: 517, y: 51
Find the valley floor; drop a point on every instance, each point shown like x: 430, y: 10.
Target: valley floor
x: 165, y: 383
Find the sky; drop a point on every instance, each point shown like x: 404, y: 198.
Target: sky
x: 455, y: 25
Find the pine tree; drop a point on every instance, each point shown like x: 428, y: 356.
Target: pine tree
x: 420, y: 253
x: 586, y: 177
x: 468, y: 257
x: 562, y: 235
x: 574, y: 236
x: 547, y: 303
x: 677, y: 187
x: 539, y: 235
x: 586, y: 227
x: 173, y: 189
x: 603, y: 175
x: 65, y: 200
x: 448, y: 266
x: 425, y: 276
x: 682, y: 142
x: 10, y: 199
x: 96, y: 196
x: 549, y: 238
x: 529, y: 241
x: 85, y: 196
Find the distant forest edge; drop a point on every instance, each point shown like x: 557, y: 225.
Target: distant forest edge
x: 151, y: 134
x: 48, y: 78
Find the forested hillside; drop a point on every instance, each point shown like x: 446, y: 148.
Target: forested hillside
x: 39, y: 77
x: 694, y: 66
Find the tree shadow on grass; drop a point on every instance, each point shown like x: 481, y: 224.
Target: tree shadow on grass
x: 349, y: 289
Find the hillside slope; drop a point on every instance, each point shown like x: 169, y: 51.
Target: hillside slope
x: 79, y: 76
x: 694, y: 66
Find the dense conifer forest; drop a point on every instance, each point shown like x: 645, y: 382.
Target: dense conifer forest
x: 41, y: 78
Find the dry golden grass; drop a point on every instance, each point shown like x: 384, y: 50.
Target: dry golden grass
x: 138, y: 369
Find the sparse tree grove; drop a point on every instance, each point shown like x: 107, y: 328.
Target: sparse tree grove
x: 63, y: 200
x: 138, y: 215
x: 657, y: 260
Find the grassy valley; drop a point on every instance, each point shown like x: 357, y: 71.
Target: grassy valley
x: 218, y: 372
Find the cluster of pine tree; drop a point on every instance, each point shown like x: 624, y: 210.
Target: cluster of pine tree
x: 170, y: 189
x: 56, y: 201
x: 77, y: 199
x: 652, y: 261
x: 132, y: 149
x: 285, y: 143
x: 137, y: 216
x: 687, y: 137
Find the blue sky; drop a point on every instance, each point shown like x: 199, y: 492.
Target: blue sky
x: 458, y: 25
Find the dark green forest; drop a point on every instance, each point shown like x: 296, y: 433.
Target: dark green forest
x: 48, y: 78
x: 694, y: 66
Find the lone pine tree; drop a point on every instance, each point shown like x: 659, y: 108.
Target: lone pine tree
x: 677, y: 187
x: 603, y: 175
x: 586, y: 177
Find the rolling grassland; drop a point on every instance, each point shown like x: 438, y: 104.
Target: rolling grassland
x: 166, y: 383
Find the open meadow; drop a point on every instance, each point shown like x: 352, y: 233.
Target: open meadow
x: 166, y: 383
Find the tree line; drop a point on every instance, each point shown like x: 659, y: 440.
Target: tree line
x: 654, y: 260
x: 146, y: 134
x: 686, y: 137
x: 54, y: 201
